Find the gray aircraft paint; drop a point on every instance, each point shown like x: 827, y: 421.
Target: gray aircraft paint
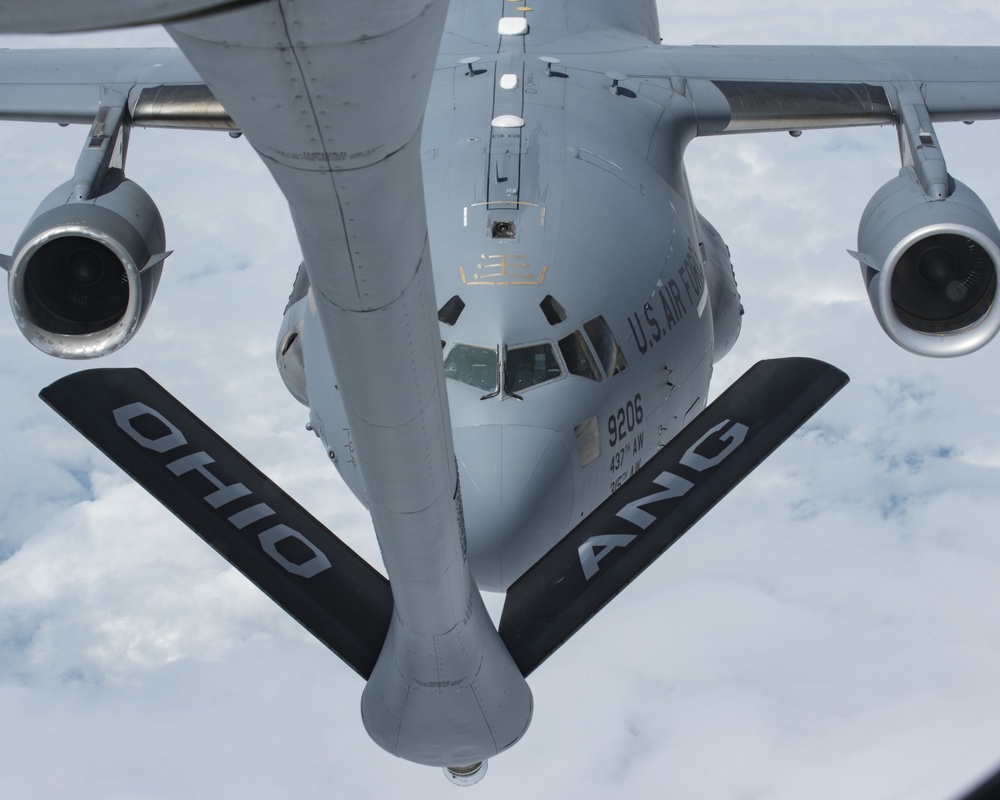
x: 574, y: 183
x: 444, y: 691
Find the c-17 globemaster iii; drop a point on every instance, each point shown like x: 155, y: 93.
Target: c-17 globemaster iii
x: 577, y: 301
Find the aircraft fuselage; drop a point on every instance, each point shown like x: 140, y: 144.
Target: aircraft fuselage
x: 582, y: 298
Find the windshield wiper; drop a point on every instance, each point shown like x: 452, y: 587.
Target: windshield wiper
x: 507, y: 391
x: 496, y: 391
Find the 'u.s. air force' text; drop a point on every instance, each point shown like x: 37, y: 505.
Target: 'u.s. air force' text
x: 670, y: 304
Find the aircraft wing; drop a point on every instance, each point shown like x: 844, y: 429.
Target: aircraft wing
x: 735, y: 89
x: 732, y: 89
x: 161, y: 87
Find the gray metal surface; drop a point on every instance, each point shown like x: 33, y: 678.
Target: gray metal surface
x: 189, y: 106
x: 354, y: 186
x: 57, y: 16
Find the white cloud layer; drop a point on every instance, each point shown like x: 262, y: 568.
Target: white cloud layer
x: 830, y: 630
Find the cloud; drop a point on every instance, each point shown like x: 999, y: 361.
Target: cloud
x: 829, y: 630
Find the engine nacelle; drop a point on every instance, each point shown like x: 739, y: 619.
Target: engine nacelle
x: 83, y: 274
x: 931, y: 267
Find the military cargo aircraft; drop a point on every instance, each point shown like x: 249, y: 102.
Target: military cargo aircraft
x: 565, y: 443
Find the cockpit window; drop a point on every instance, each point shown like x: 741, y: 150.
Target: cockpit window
x: 611, y: 355
x: 475, y: 366
x: 553, y: 310
x: 530, y: 366
x: 450, y: 311
x: 577, y: 356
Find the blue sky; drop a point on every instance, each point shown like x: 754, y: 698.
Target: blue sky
x: 829, y: 630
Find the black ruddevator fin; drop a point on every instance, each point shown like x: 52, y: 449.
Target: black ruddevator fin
x: 626, y: 533
x: 233, y: 506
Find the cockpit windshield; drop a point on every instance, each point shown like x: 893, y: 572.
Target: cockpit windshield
x: 604, y: 341
x: 474, y: 366
x: 522, y: 367
x: 530, y: 366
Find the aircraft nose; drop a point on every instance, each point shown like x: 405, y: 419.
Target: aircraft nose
x: 517, y: 494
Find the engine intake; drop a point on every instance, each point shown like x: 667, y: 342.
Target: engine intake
x: 84, y: 274
x: 931, y: 267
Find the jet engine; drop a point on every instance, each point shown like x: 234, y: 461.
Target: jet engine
x: 931, y: 267
x: 83, y: 273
